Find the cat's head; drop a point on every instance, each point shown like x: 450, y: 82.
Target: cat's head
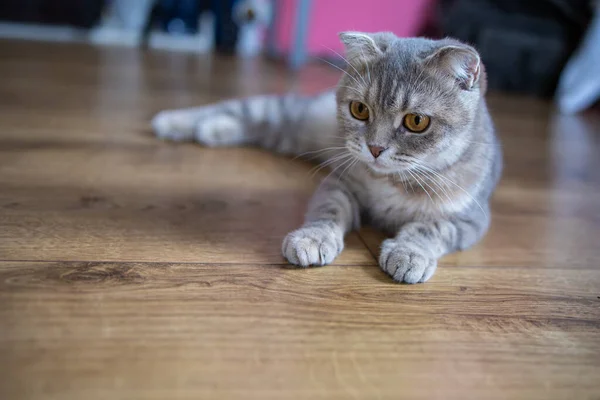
x: 408, y: 101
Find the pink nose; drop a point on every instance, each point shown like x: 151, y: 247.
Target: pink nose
x: 376, y: 150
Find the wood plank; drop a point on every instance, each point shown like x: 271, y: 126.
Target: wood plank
x: 106, y: 330
x: 79, y: 201
x: 84, y: 179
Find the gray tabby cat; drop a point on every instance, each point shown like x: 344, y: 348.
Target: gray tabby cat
x: 413, y: 150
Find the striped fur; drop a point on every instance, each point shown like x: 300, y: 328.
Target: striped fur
x: 430, y: 190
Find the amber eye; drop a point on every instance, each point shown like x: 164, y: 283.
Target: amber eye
x: 416, y: 123
x: 359, y: 110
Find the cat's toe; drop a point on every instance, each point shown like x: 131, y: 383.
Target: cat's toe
x: 169, y: 125
x: 313, y: 245
x: 406, y: 264
x: 219, y: 130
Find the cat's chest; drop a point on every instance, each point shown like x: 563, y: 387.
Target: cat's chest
x: 390, y: 204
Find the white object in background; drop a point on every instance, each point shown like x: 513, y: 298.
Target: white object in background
x: 46, y: 33
x: 252, y: 18
x: 201, y: 42
x: 121, y: 27
x: 579, y: 84
x: 128, y: 14
x: 125, y: 20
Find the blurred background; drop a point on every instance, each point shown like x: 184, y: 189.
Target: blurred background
x: 543, y: 48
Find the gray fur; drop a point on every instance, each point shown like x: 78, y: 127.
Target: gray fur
x: 430, y: 191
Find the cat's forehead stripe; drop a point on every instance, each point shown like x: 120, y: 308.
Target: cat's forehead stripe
x: 405, y: 99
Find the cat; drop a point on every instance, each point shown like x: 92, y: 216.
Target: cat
x: 407, y: 135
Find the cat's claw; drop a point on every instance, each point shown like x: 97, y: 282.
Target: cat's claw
x: 406, y: 264
x: 315, y: 244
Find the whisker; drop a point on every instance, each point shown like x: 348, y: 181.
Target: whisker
x: 434, y: 180
x: 457, y: 185
x: 344, y: 71
x: 407, y: 181
x: 351, y: 145
x: 409, y: 184
x: 319, y: 151
x: 343, y: 86
x: 402, y: 179
x: 332, y: 172
x: 333, y: 159
x: 351, y: 88
x: 329, y: 162
x: 424, y: 181
x: 353, y: 163
x: 336, y: 86
x: 347, y: 62
x: 419, y: 183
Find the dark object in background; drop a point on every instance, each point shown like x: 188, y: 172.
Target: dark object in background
x: 174, y: 16
x: 523, y: 44
x: 226, y: 30
x: 77, y: 13
x: 182, y: 16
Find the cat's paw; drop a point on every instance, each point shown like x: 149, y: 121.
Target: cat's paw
x: 405, y: 263
x: 205, y: 125
x: 314, y: 244
x: 173, y: 125
x: 219, y: 130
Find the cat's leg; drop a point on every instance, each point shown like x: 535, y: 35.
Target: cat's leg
x: 412, y: 255
x: 332, y: 212
x: 287, y: 124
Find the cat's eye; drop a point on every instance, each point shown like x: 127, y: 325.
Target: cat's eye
x: 416, y: 123
x: 359, y: 110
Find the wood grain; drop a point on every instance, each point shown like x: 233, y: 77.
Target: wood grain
x: 253, y: 331
x: 131, y: 268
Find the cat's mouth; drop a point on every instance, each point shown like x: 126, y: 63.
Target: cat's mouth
x: 385, y: 169
x: 381, y: 168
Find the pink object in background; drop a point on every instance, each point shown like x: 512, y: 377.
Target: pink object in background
x: 329, y: 17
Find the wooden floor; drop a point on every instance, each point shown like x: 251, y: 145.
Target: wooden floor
x: 132, y: 268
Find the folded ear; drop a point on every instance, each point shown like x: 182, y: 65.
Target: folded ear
x: 364, y: 47
x: 458, y: 61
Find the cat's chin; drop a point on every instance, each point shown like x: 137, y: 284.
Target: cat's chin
x: 382, y: 170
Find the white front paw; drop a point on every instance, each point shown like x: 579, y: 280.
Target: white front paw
x: 314, y: 244
x: 406, y: 264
